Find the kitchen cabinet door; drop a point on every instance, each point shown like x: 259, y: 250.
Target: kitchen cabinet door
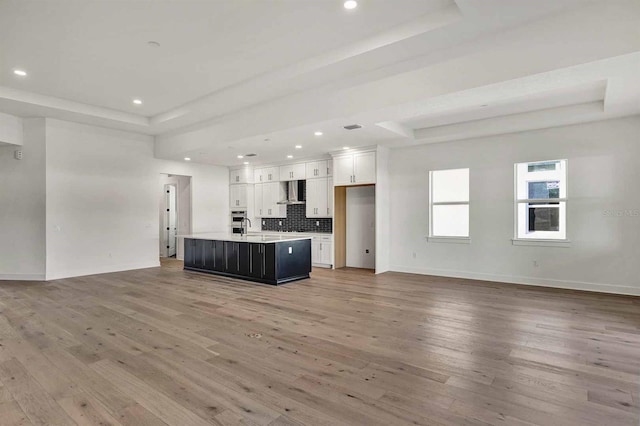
x: 258, y: 200
x: 258, y: 175
x: 315, y: 252
x: 243, y: 175
x: 238, y: 196
x: 326, y: 253
x: 293, y: 172
x: 256, y: 260
x: 219, y: 259
x: 312, y: 194
x: 189, y: 252
x: 317, y: 198
x: 330, y: 193
x: 343, y: 170
x: 316, y: 169
x: 364, y: 167
x: 271, y: 174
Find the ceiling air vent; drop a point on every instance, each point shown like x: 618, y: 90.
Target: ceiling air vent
x: 250, y: 155
x: 353, y: 127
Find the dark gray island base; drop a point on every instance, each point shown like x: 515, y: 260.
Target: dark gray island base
x: 253, y: 258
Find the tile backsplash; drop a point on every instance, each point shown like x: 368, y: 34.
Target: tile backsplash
x: 297, y: 221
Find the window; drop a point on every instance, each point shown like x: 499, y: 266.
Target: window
x: 541, y: 200
x: 449, y: 203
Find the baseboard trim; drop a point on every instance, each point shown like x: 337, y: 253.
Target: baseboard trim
x: 520, y: 280
x: 106, y: 270
x: 22, y: 277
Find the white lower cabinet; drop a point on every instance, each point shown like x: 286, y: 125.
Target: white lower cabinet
x: 322, y: 251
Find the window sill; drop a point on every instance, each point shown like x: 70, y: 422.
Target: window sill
x: 541, y: 243
x: 449, y: 240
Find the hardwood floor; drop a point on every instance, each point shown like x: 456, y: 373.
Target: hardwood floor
x: 163, y: 346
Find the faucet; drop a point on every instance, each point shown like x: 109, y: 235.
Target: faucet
x: 244, y: 219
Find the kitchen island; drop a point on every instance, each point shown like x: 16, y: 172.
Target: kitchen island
x: 265, y: 259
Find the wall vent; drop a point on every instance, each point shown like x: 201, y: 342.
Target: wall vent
x: 353, y: 127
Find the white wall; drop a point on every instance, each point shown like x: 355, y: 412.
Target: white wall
x: 603, y: 177
x: 361, y: 227
x: 102, y: 199
x: 22, y: 206
x: 383, y: 211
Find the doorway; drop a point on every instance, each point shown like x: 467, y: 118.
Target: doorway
x: 170, y: 227
x: 174, y: 214
x: 354, y: 227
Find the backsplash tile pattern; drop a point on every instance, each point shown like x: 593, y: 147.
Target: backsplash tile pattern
x: 297, y: 221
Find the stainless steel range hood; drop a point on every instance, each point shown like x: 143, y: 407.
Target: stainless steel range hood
x: 295, y: 192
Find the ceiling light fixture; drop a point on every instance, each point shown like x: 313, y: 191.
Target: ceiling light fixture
x: 298, y: 146
x: 289, y: 156
x: 345, y: 147
x: 20, y: 73
x: 350, y: 4
x: 240, y: 156
x: 187, y: 159
x: 318, y: 133
x: 137, y: 101
x: 246, y: 163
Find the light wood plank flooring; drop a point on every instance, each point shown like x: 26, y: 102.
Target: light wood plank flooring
x: 162, y: 346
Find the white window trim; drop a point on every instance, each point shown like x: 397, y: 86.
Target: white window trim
x: 442, y: 238
x: 540, y: 241
x: 449, y: 240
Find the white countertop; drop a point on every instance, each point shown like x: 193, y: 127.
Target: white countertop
x: 284, y: 233
x: 251, y: 238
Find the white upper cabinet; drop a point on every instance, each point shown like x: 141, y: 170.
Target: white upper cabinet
x: 266, y: 174
x: 257, y: 197
x: 355, y: 169
x: 266, y: 198
x: 364, y: 167
x: 244, y: 175
x: 319, y: 198
x: 238, y: 196
x: 293, y: 172
x: 318, y: 169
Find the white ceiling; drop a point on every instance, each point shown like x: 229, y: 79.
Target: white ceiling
x: 231, y: 73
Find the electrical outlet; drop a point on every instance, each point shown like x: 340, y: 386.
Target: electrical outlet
x: 317, y: 223
x: 264, y: 222
x: 17, y: 154
x: 367, y: 251
x: 279, y: 223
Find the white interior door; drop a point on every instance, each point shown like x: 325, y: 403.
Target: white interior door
x: 171, y: 219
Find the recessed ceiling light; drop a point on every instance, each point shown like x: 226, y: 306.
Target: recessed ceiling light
x: 345, y: 147
x: 187, y: 159
x: 318, y: 133
x: 289, y: 156
x: 20, y: 73
x: 246, y: 163
x: 298, y: 146
x: 240, y: 156
x: 137, y: 101
x: 350, y: 4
